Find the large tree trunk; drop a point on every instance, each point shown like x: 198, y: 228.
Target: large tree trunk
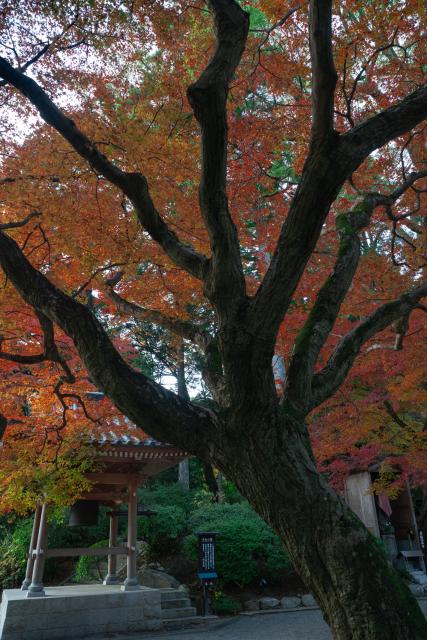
x: 361, y: 595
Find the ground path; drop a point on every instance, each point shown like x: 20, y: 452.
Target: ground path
x: 298, y: 625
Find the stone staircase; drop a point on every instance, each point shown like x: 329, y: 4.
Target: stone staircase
x: 418, y: 585
x: 176, y: 606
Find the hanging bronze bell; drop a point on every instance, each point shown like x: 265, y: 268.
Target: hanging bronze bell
x: 84, y: 513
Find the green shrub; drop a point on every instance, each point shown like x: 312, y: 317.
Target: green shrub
x: 231, y: 493
x: 224, y: 605
x: 247, y: 548
x: 158, y: 495
x: 163, y: 531
x: 60, y: 535
x: 87, y: 565
x: 13, y: 554
x: 16, y: 539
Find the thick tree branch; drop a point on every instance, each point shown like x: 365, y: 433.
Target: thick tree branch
x: 159, y: 411
x: 328, y: 302
x: 385, y: 126
x: 19, y: 358
x: 31, y: 61
x: 327, y: 381
x: 326, y: 169
x: 212, y: 374
x: 324, y: 76
x: 19, y: 223
x: 208, y: 98
x: 133, y: 185
x: 210, y: 367
x: 324, y: 173
x: 391, y: 198
x: 183, y: 328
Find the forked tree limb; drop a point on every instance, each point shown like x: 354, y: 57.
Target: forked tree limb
x: 397, y: 193
x: 208, y: 345
x: 183, y: 328
x: 330, y: 162
x: 321, y: 319
x: 31, y: 61
x: 161, y: 412
x: 325, y: 171
x: 133, y: 185
x: 96, y: 272
x: 385, y: 126
x: 327, y: 381
x: 324, y: 313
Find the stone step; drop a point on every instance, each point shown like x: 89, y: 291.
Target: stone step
x: 182, y: 612
x: 176, y: 603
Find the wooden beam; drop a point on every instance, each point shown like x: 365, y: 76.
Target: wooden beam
x: 114, y: 478
x: 107, y: 496
x: 86, y: 551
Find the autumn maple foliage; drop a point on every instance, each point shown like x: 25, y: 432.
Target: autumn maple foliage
x: 297, y: 230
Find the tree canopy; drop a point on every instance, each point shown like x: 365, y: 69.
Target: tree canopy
x: 121, y: 72
x: 298, y: 230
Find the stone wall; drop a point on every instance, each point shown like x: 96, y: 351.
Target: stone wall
x: 78, y: 611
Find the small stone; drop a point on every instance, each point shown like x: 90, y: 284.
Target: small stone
x: 308, y: 600
x: 416, y: 589
x: 157, y: 579
x: 290, y: 602
x: 184, y: 589
x: 251, y: 605
x: 419, y: 577
x: 269, y: 603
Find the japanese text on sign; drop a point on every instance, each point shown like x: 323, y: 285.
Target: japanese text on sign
x: 206, y: 552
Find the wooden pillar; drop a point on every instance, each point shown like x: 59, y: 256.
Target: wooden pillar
x: 112, y: 577
x: 36, y: 588
x: 33, y: 542
x: 131, y: 582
